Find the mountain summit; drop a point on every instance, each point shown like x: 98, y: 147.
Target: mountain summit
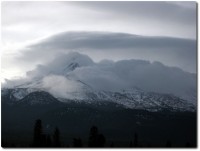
x: 77, y: 77
x: 62, y: 64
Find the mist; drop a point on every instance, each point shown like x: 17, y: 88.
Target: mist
x: 75, y: 72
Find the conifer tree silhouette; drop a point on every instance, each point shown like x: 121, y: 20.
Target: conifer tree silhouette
x: 56, y: 138
x: 77, y: 142
x: 168, y: 144
x: 96, y: 139
x: 131, y: 144
x: 37, y: 139
x: 101, y: 140
x: 93, y: 137
x: 135, y: 143
x: 112, y: 144
x: 187, y: 144
x: 48, y: 141
x: 3, y: 143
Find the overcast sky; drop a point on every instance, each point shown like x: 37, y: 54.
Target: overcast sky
x: 26, y: 27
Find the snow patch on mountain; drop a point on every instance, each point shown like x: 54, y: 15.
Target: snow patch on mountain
x: 76, y: 76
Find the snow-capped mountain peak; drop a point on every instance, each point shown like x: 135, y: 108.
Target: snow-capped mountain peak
x: 132, y: 83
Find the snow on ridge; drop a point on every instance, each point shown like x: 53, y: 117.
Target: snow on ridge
x: 77, y: 73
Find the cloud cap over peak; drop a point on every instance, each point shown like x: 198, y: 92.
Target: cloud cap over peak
x: 117, y: 46
x: 108, y: 76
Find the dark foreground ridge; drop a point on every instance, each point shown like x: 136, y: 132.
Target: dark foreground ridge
x: 36, y: 122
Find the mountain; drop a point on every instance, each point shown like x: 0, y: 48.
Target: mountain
x: 39, y: 97
x: 132, y: 99
x: 135, y: 84
x: 74, y: 119
x: 62, y: 65
x: 138, y: 99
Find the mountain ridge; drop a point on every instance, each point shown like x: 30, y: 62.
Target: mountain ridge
x: 133, y: 100
x: 132, y: 83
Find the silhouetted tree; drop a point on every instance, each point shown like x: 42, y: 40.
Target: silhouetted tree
x: 101, y: 140
x: 149, y: 145
x: 3, y: 143
x: 77, y: 142
x: 168, y: 144
x: 56, y: 138
x: 44, y: 140
x: 131, y: 144
x: 13, y: 145
x: 135, y: 143
x: 96, y: 139
x: 48, y: 141
x: 112, y: 144
x: 37, y: 139
x: 93, y: 137
x: 188, y: 144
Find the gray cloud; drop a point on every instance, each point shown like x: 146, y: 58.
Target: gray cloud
x: 116, y: 46
x: 182, y: 12
x: 59, y: 77
x: 26, y: 22
x: 22, y: 21
x: 124, y: 74
x: 59, y: 65
x: 155, y: 18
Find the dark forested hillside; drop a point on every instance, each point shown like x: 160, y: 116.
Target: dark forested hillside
x: 116, y: 123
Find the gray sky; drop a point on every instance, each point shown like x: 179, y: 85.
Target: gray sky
x: 25, y: 23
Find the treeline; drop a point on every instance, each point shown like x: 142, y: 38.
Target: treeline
x: 95, y: 140
x: 45, y: 140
